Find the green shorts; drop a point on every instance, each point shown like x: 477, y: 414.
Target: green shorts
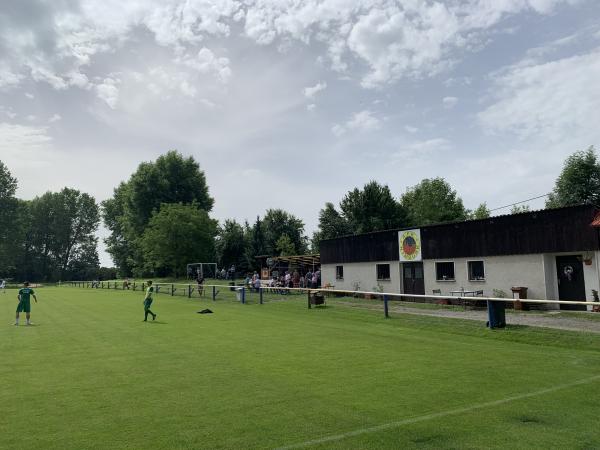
x: 24, y: 307
x: 147, y: 303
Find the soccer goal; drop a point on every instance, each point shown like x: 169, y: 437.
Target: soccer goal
x: 201, y: 270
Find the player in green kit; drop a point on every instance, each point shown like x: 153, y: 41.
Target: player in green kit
x: 24, y: 305
x: 148, y: 302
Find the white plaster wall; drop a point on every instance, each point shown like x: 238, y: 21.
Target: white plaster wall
x: 501, y: 272
x: 363, y: 273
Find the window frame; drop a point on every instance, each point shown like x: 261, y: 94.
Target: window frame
x: 337, y: 275
x: 389, y: 272
x: 453, y: 270
x: 475, y: 280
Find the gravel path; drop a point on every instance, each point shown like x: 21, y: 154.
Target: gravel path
x: 534, y: 319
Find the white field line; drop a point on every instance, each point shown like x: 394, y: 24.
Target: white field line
x: 399, y: 423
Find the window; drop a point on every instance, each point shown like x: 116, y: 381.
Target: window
x: 383, y: 271
x: 339, y: 272
x: 476, y: 271
x: 444, y: 271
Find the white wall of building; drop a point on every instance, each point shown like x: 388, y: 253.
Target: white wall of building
x: 537, y: 272
x: 365, y: 274
x: 501, y: 272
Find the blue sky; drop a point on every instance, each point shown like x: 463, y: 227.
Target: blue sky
x: 292, y: 103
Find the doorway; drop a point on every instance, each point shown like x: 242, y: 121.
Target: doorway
x: 571, y: 284
x: 412, y: 278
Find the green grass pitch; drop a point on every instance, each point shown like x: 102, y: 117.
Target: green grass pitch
x: 90, y: 374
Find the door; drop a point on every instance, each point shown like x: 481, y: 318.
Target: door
x: 571, y: 285
x: 413, y: 282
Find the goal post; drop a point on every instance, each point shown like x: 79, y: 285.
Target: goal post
x: 201, y: 270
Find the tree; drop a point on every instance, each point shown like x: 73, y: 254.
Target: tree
x: 231, y: 244
x: 8, y: 219
x: 285, y: 246
x: 481, y: 212
x: 277, y: 223
x: 433, y: 201
x: 331, y: 223
x: 371, y: 209
x: 518, y: 209
x: 61, y: 233
x: 177, y: 234
x: 579, y: 181
x: 170, y: 179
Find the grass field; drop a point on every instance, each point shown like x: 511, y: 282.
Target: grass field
x: 90, y: 374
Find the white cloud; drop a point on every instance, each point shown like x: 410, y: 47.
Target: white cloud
x: 8, y: 78
x: 55, y: 118
x: 29, y: 95
x: 18, y: 142
x: 311, y: 91
x: 206, y: 62
x: 449, y: 102
x: 550, y: 100
x: 311, y: 107
x: 390, y: 40
x: 411, y: 129
x: 108, y: 91
x: 338, y: 130
x: 362, y: 121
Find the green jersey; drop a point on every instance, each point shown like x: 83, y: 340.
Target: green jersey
x: 25, y: 294
x: 149, y: 293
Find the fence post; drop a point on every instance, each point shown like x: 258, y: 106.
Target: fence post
x: 189, y: 291
x: 260, y: 291
x: 134, y: 285
x: 143, y: 286
x: 385, y: 306
x: 243, y: 295
x: 172, y: 290
x: 214, y: 293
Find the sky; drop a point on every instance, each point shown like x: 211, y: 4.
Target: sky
x: 292, y: 103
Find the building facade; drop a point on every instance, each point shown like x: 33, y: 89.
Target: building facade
x: 554, y: 253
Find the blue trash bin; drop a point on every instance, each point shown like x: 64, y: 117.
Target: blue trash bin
x: 496, y: 314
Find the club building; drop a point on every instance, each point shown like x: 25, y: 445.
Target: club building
x: 554, y: 253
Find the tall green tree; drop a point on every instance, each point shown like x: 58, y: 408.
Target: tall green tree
x: 278, y: 222
x: 579, y: 181
x: 8, y: 220
x: 481, y: 212
x: 433, y: 201
x: 60, y: 234
x: 331, y: 223
x: 177, y: 234
x: 172, y: 178
x: 285, y: 246
x: 371, y: 208
x: 231, y: 245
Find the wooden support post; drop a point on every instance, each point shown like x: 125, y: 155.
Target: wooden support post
x: 189, y: 291
x: 172, y: 290
x: 260, y: 291
x: 214, y: 293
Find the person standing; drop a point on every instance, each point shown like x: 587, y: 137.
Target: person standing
x: 148, y: 302
x: 24, y: 305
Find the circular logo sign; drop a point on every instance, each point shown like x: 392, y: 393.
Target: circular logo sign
x: 409, y: 245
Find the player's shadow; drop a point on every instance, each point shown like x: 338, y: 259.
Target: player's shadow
x: 157, y: 322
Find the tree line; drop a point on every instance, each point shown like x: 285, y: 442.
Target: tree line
x: 159, y: 220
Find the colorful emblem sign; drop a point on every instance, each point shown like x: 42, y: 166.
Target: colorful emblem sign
x: 410, y: 245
